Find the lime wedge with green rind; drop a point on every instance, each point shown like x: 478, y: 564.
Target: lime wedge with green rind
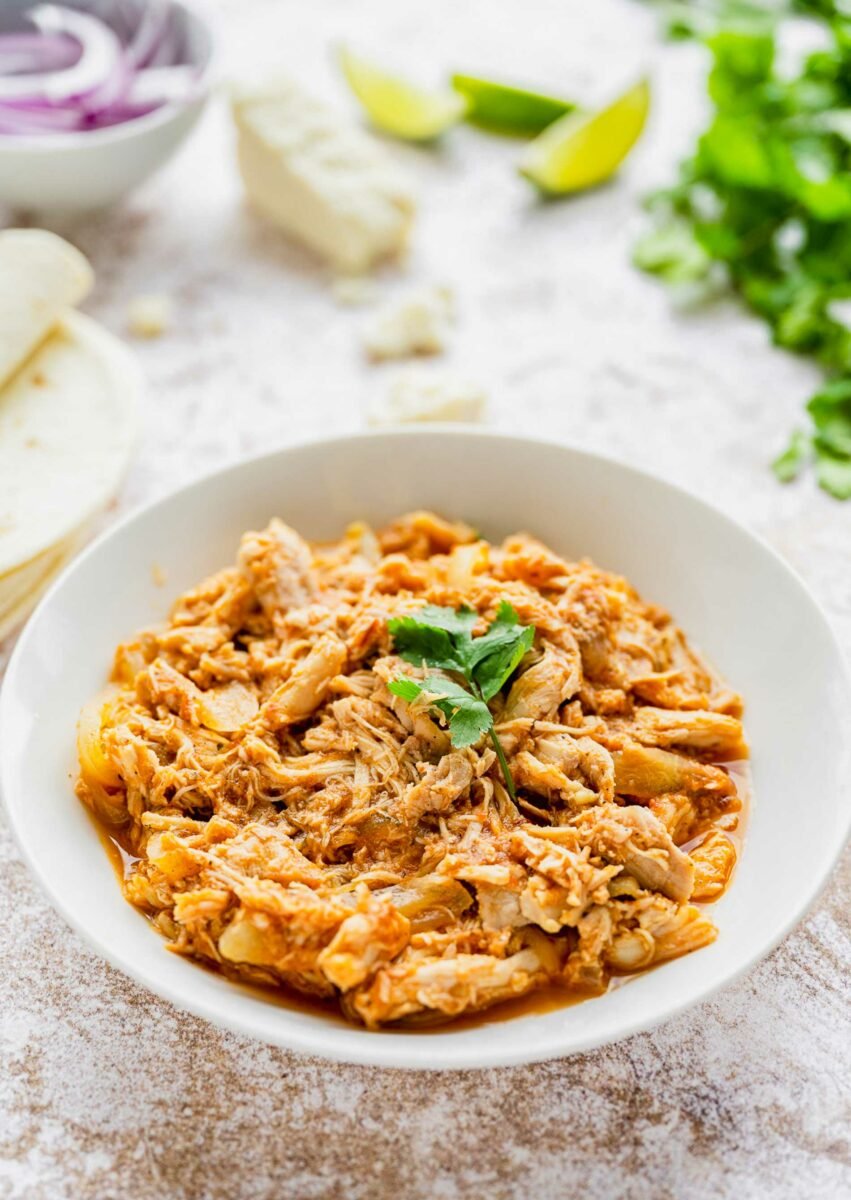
x: 502, y: 108
x: 581, y: 150
x: 397, y: 107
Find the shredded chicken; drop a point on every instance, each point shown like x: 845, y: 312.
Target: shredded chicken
x: 292, y: 822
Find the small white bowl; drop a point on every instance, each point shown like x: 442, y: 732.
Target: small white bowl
x: 732, y: 594
x: 76, y: 172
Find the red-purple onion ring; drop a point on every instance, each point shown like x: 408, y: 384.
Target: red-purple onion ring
x: 75, y: 72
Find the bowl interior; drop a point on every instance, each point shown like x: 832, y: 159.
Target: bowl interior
x: 732, y: 595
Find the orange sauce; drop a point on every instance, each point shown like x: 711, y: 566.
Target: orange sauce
x: 544, y: 1000
x: 327, y: 1007
x: 120, y: 859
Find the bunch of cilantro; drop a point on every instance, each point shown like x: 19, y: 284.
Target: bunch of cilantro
x: 682, y: 19
x: 441, y: 639
x: 766, y: 199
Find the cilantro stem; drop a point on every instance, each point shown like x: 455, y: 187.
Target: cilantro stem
x: 497, y: 745
x: 503, y: 762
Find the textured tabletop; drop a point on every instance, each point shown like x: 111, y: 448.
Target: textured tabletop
x: 105, y: 1091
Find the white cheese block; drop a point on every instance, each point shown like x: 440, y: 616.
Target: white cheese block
x: 418, y: 323
x: 320, y: 178
x: 41, y: 276
x: 418, y: 395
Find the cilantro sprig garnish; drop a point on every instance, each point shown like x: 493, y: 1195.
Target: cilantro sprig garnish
x: 441, y: 639
x: 764, y: 204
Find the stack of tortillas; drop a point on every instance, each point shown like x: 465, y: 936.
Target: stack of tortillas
x: 68, y: 412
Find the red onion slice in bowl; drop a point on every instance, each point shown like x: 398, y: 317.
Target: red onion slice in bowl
x: 78, y: 72
x: 28, y: 53
x: 100, y: 50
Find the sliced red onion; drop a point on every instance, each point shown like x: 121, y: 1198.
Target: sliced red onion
x: 151, y: 33
x: 30, y: 52
x: 119, y: 113
x: 101, y: 49
x: 169, y: 51
x: 80, y: 73
x: 111, y: 90
x: 48, y: 120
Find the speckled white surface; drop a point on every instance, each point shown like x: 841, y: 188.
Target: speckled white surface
x: 104, y: 1090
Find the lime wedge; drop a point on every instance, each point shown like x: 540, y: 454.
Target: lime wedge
x: 502, y: 108
x: 583, y: 149
x: 398, y: 107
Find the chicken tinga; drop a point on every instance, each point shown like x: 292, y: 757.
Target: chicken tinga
x: 417, y: 772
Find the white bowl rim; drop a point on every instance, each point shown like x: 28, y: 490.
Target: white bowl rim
x: 77, y: 139
x: 366, y: 1050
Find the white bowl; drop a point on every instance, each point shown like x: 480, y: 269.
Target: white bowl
x: 75, y: 172
x: 732, y: 594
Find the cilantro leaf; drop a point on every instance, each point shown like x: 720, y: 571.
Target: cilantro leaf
x: 442, y: 638
x: 460, y: 621
x: 494, y: 671
x: 468, y: 717
x: 504, y: 631
x: 833, y: 472
x: 672, y: 252
x: 788, y: 465
x: 420, y: 643
x: 764, y: 202
x: 741, y: 57
x: 408, y: 689
x: 497, y: 654
x: 830, y: 410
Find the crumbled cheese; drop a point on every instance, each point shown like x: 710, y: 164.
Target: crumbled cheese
x: 418, y: 323
x: 149, y: 316
x: 319, y: 177
x: 418, y: 395
x: 354, y: 291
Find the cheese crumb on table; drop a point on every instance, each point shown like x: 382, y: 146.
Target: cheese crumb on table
x: 354, y: 291
x: 418, y: 395
x: 320, y: 178
x: 149, y: 316
x: 417, y: 323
